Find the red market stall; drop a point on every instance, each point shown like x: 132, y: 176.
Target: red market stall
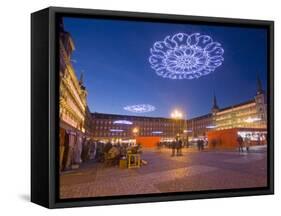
x: 148, y: 142
x: 227, y: 138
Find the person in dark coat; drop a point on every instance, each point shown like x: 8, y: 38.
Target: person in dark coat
x: 173, y: 148
x: 198, y: 145
x: 240, y: 143
x: 179, y: 146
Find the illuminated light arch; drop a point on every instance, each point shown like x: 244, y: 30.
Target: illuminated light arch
x: 125, y: 122
x: 211, y: 126
x: 116, y: 130
x: 184, y: 56
x: 157, y: 132
x: 140, y: 108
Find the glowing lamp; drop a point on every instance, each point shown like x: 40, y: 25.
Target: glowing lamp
x: 135, y: 130
x: 176, y: 114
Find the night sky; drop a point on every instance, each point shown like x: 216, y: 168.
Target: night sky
x: 113, y: 56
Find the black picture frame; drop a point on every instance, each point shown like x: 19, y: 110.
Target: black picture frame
x: 44, y: 107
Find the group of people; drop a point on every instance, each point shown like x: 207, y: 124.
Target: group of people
x: 200, y: 144
x: 110, y: 153
x: 75, y: 148
x: 177, y: 145
x: 246, y: 142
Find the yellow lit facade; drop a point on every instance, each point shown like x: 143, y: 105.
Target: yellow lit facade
x: 72, y: 93
x: 251, y: 114
x: 72, y: 106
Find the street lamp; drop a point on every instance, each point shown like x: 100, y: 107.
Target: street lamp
x: 176, y: 115
x: 135, y: 132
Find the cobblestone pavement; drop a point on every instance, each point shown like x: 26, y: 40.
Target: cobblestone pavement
x: 193, y: 171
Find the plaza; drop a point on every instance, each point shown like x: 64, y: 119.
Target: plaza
x: 112, y: 117
x: 193, y: 171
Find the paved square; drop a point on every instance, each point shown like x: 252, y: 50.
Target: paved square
x: 193, y: 171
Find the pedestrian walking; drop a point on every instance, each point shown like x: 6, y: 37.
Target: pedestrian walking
x: 179, y: 146
x: 187, y: 144
x: 206, y: 142
x: 173, y: 148
x: 240, y: 143
x: 247, y: 142
x: 202, y: 144
x: 198, y: 145
x: 259, y: 139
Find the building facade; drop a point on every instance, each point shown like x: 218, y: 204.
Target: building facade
x: 250, y: 114
x: 199, y: 126
x: 110, y: 127
x: 72, y: 104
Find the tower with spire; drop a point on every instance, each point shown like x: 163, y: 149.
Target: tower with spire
x: 259, y: 86
x: 215, y: 107
x: 83, y: 88
x: 81, y: 79
x: 260, y: 102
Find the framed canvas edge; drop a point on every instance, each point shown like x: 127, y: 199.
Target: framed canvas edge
x: 54, y: 203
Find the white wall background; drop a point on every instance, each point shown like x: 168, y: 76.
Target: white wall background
x: 15, y: 106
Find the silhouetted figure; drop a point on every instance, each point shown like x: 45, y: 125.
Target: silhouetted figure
x: 240, y: 143
x: 206, y: 143
x: 179, y: 147
x: 187, y: 144
x: 248, y: 142
x: 200, y: 144
x: 259, y: 139
x: 173, y: 148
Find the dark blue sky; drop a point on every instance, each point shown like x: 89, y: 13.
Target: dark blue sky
x: 114, y: 56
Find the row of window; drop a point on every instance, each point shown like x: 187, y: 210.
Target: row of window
x: 108, y: 124
x: 109, y: 134
x: 171, y: 128
x: 158, y: 122
x: 146, y: 128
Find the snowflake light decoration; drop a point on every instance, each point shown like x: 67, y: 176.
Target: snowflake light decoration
x: 184, y: 56
x: 140, y: 108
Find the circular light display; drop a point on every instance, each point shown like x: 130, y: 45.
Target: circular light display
x: 125, y: 122
x: 140, y: 108
x: 184, y: 56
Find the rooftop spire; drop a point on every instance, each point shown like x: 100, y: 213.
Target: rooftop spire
x: 81, y: 80
x: 259, y: 85
x: 215, y: 105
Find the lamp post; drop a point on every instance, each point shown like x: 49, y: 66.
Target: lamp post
x: 135, y: 132
x: 176, y: 115
x: 185, y: 131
